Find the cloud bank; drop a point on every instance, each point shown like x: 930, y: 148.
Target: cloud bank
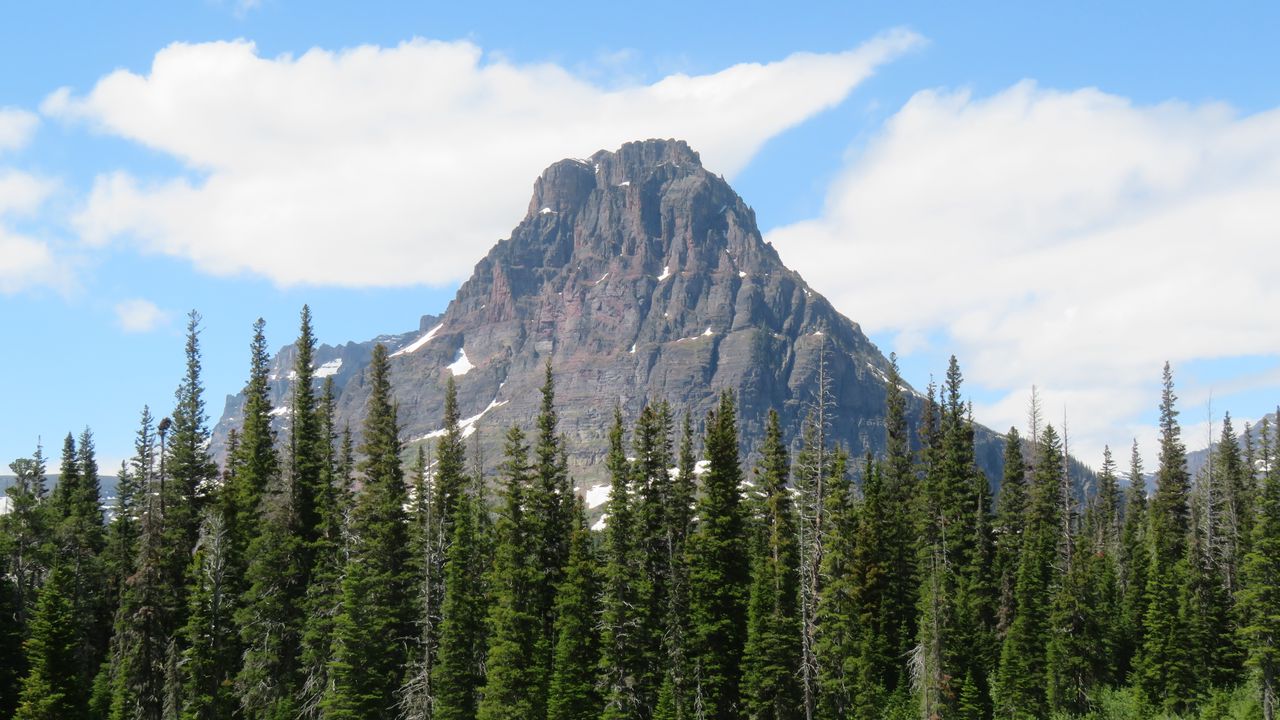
x: 1071, y: 239
x: 395, y: 166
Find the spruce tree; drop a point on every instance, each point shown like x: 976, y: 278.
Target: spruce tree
x: 653, y: 487
x: 23, y: 541
x: 1134, y: 561
x: 674, y: 695
x: 719, y: 575
x: 323, y: 591
x: 459, y: 674
x: 52, y: 689
x: 515, y: 686
x: 1022, y: 679
x: 550, y: 515
x: 620, y: 658
x: 1009, y: 526
x: 839, y: 634
x: 770, y: 663
x: 211, y: 657
x: 1259, y: 597
x: 900, y: 581
x: 573, y: 694
x: 374, y: 624
x: 1164, y: 668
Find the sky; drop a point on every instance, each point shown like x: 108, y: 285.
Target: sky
x: 1064, y: 196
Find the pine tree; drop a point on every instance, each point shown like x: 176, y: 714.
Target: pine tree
x: 374, y: 623
x: 770, y: 662
x: 620, y: 659
x: 1164, y: 668
x: 1023, y: 676
x: 1259, y: 597
x: 514, y: 686
x: 572, y: 694
x: 718, y: 571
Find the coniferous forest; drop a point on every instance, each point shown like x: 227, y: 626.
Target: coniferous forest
x: 317, y: 576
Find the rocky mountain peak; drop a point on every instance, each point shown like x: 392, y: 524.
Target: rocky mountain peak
x: 642, y: 277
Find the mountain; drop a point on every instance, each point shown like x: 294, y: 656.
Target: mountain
x: 642, y: 276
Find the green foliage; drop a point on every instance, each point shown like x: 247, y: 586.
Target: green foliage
x: 718, y: 570
x: 374, y: 623
x: 770, y: 662
x: 572, y: 694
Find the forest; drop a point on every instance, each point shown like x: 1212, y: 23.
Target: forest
x: 317, y: 577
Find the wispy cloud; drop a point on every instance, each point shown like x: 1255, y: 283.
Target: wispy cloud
x: 16, y: 128
x: 393, y: 166
x: 140, y: 316
x: 1070, y: 239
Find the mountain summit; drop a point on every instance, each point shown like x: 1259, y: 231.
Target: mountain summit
x: 642, y: 277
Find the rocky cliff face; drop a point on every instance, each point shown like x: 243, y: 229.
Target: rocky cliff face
x: 642, y: 277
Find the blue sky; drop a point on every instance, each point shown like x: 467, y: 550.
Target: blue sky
x: 1166, y: 112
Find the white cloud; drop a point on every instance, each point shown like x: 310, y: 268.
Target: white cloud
x: 26, y: 262
x: 16, y: 128
x: 139, y: 316
x: 394, y: 166
x: 1071, y: 239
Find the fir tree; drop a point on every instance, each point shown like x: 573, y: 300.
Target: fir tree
x: 675, y: 696
x: 839, y: 632
x: 572, y: 694
x: 900, y: 581
x: 52, y: 689
x: 653, y: 487
x: 322, y: 596
x: 23, y: 535
x: 718, y: 571
x: 514, y: 686
x: 551, y: 517
x: 770, y: 663
x: 373, y: 626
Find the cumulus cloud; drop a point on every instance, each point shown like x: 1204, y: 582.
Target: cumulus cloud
x: 393, y: 166
x: 16, y: 128
x: 25, y: 262
x: 139, y: 316
x: 1070, y: 239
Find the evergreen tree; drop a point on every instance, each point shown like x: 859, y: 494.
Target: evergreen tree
x: 573, y: 694
x: 718, y: 571
x: 900, y: 581
x: 1009, y: 527
x: 459, y: 674
x: 675, y: 696
x: 1164, y: 668
x: 514, y: 686
x: 653, y: 487
x: 620, y: 658
x: 1134, y: 560
x: 1259, y: 597
x: 374, y: 624
x: 551, y: 517
x: 23, y: 535
x: 143, y: 618
x: 189, y: 477
x: 323, y: 591
x: 1023, y: 676
x: 211, y: 657
x: 837, y: 618
x: 52, y: 689
x: 770, y: 662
